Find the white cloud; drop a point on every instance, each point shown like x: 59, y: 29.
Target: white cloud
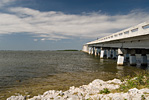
x: 5, y: 2
x: 35, y: 40
x: 57, y: 25
x: 42, y: 39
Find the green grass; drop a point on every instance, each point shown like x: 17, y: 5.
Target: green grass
x: 105, y: 91
x: 138, y: 80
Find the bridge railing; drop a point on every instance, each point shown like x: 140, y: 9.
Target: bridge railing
x: 141, y: 29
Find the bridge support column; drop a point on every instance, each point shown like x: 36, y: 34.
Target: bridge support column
x: 132, y: 59
x: 120, y: 60
x: 89, y: 50
x: 102, y: 52
x: 143, y: 60
x: 93, y: 51
x: 114, y: 54
x: 99, y: 51
x: 108, y: 54
x: 105, y: 53
x: 96, y: 51
x: 126, y: 56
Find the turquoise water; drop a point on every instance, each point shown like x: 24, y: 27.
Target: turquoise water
x: 23, y: 68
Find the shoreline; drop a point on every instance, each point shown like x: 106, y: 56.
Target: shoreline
x: 96, y: 90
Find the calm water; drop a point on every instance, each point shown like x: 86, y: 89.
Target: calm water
x: 28, y: 71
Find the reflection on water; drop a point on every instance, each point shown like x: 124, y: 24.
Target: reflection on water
x: 38, y: 71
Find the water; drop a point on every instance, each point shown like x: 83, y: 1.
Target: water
x: 33, y: 72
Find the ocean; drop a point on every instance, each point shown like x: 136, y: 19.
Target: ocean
x: 34, y: 72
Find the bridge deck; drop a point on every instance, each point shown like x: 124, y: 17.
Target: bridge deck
x: 134, y: 37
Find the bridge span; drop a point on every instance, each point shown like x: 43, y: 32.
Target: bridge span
x: 125, y: 44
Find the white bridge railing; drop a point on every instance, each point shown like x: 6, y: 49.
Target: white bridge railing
x: 139, y: 30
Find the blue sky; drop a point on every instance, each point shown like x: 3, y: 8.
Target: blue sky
x: 65, y: 24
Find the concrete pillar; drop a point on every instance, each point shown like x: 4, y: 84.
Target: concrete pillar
x: 93, y: 51
x: 143, y: 60
x: 120, y: 60
x: 114, y: 54
x: 102, y: 54
x: 132, y: 59
x: 108, y: 54
x: 90, y: 50
x: 96, y: 51
x: 105, y: 53
x: 126, y: 57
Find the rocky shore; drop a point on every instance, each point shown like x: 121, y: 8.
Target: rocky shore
x: 96, y: 90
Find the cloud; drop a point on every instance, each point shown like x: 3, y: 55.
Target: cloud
x: 35, y: 40
x: 54, y: 25
x: 5, y: 2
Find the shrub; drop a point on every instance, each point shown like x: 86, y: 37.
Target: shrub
x: 105, y: 90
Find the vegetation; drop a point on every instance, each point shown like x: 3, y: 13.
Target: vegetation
x: 105, y: 91
x: 138, y: 80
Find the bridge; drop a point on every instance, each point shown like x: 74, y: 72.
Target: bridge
x: 126, y: 44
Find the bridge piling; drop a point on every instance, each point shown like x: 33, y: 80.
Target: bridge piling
x: 102, y: 53
x: 114, y: 54
x: 132, y: 60
x: 120, y: 60
x: 126, y: 57
x: 143, y: 60
x: 96, y: 51
x: 89, y: 50
x: 108, y: 53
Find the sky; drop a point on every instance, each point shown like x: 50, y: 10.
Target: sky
x: 65, y: 24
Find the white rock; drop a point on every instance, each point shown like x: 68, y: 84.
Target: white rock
x: 145, y: 90
x: 87, y: 96
x: 20, y: 97
x: 73, y: 97
x: 90, y: 91
x: 117, y: 81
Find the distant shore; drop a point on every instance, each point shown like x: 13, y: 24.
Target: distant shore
x: 68, y: 50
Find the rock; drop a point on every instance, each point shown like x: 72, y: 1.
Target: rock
x: 116, y: 81
x: 20, y: 97
x: 87, y: 96
x: 61, y: 93
x: 73, y: 97
x: 145, y: 90
x: 90, y: 91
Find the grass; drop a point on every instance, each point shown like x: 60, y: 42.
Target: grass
x: 138, y: 80
x: 105, y: 91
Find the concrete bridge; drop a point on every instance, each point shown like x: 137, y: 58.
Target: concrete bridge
x: 126, y: 44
